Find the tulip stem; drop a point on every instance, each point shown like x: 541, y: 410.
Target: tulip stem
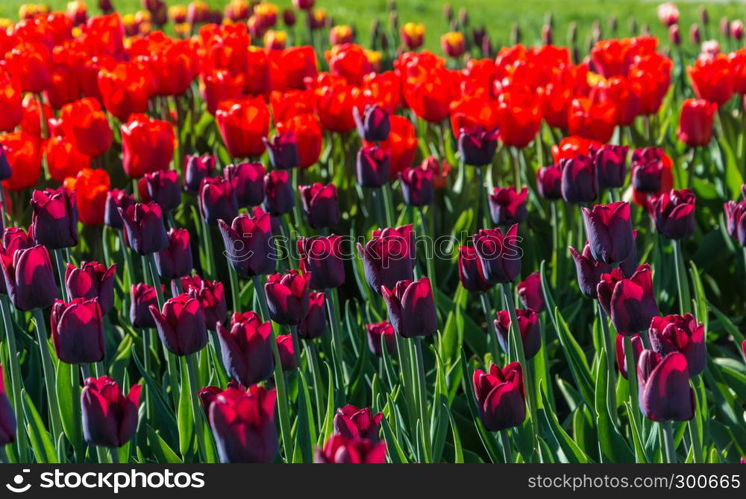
x: 681, y: 280
x: 429, y: 250
x: 235, y: 290
x: 527, y: 374
x: 507, y: 451
x: 191, y: 367
x: 493, y: 341
x: 282, y: 399
x: 127, y: 261
x: 388, y: 205
x: 16, y: 381
x: 667, y: 428
x: 484, y: 210
x: 209, y: 254
x: 337, y: 360
x: 422, y: 393
x: 317, y: 380
x: 610, y: 361
x: 60, y: 272
x: 49, y: 376
x: 629, y: 356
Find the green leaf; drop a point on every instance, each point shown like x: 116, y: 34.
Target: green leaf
x: 572, y: 452
x: 163, y: 453
x: 40, y: 439
x: 184, y: 415
x: 68, y: 395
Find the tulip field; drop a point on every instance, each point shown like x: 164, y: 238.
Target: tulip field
x: 252, y: 233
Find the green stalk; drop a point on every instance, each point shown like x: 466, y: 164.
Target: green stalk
x: 209, y: 269
x: 430, y: 245
x: 491, y: 331
x: 388, y: 205
x: 16, y: 380
x: 340, y: 371
x: 507, y: 452
x: 58, y: 264
x: 191, y: 365
x: 669, y: 442
x: 282, y: 398
x: 484, y: 201
x: 527, y: 374
x: 610, y: 361
x: 130, y: 269
x: 629, y: 356
x: 49, y: 376
x: 681, y: 280
x: 114, y: 455
x: 235, y: 290
x: 422, y: 392
x: 318, y: 388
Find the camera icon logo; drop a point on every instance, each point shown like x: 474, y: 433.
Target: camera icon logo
x: 17, y: 485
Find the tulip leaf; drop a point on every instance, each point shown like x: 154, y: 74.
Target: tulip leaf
x: 184, y: 415
x: 155, y: 390
x: 305, y: 432
x: 394, y: 450
x: 614, y: 448
x: 68, y: 394
x: 40, y: 439
x: 163, y: 452
x: 488, y: 441
x: 458, y: 450
x: 570, y: 449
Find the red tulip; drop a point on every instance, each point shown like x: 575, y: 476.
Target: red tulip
x: 181, y: 325
x: 696, y: 121
x: 340, y: 449
x: 500, y: 396
x: 287, y: 297
x: 23, y: 153
x: 629, y: 302
x: 243, y: 123
x: 663, y: 384
x: 109, y: 418
x: 92, y: 280
x: 92, y: 189
x: 519, y: 118
x: 712, y: 79
x: 592, y: 120
x: 247, y: 348
x: 78, y: 331
x: 64, y: 159
x: 85, y: 123
x: 147, y: 145
x: 126, y: 88
x: 411, y: 308
x: 308, y: 136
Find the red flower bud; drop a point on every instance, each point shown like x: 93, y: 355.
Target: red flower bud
x: 92, y: 280
x: 470, y: 271
x: 664, y: 389
x: 176, y: 259
x: 142, y: 297
x: 351, y: 422
x: 528, y: 324
x: 696, y: 121
x: 531, y: 293
x: 243, y: 424
x: 54, y: 222
x: 373, y: 165
x: 500, y: 396
x: 320, y: 204
x: 321, y: 258
x: 161, y: 187
x: 247, y: 180
x: 735, y: 217
x: 676, y: 333
x: 417, y: 186
x: 144, y: 229
x: 78, y: 331
x: 588, y: 270
x: 29, y: 278
x: 379, y: 334
x: 629, y: 302
x: 247, y: 348
x: 673, y: 213
x: 147, y: 145
x: 217, y: 200
x: 109, y: 418
x: 278, y: 193
x: 549, y: 182
x: 287, y: 297
x: 507, y: 206
x: 181, y: 325
x: 411, y: 308
x: 340, y: 449
x: 499, y: 254
x: 579, y: 181
x: 477, y: 146
x: 197, y: 168
x: 283, y: 151
x: 374, y: 124
x: 287, y: 352
x: 115, y: 199
x: 610, y: 164
x: 609, y: 230
x: 211, y: 296
x: 249, y: 244
x: 243, y: 123
x: 388, y: 257
x: 314, y: 324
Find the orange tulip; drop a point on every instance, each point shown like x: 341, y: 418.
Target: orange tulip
x: 63, y: 158
x: 243, y: 123
x: 90, y: 187
x: 23, y: 152
x: 147, y: 145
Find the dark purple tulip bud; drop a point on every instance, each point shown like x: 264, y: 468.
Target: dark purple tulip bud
x: 673, y: 213
x: 320, y: 204
x: 470, y: 271
x: 549, y: 182
x: 610, y: 162
x: 417, y: 186
x: 589, y: 271
x: 288, y: 17
x: 528, y: 324
x: 7, y: 417
x: 579, y: 182
x: 735, y: 218
x: 411, y: 308
x: 197, y: 168
x: 674, y: 34
x: 647, y: 169
x: 725, y: 27
x: 374, y: 125
x: 105, y: 6
x: 283, y: 151
x: 342, y: 450
x: 629, y: 302
x: 78, y: 331
x: 379, y: 334
x: 109, y: 418
x: 248, y: 182
x: 373, y: 165
x: 500, y: 396
x: 161, y: 187
x: 207, y: 396
x: 546, y: 35
x: 181, y: 325
x: 92, y: 280
x: 677, y: 333
x: 531, y: 293
x: 313, y: 324
x: 5, y: 170
x: 115, y: 199
x: 142, y: 297
x: 477, y: 146
x: 621, y: 357
x: 287, y: 352
x: 144, y: 229
x: 321, y: 258
x: 11, y: 240
x: 704, y: 16
x: 54, y: 222
x: 217, y: 200
x: 278, y: 193
x: 211, y: 297
x: 351, y: 422
x: 287, y: 297
x: 29, y: 278
x: 247, y: 348
x: 249, y: 244
x: 243, y: 424
x: 663, y: 387
x: 388, y: 257
x: 499, y: 254
x: 176, y: 259
x: 609, y: 230
x: 507, y: 206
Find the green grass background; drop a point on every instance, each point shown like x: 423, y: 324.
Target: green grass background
x: 496, y: 15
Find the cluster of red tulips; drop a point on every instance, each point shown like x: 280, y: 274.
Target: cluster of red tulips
x: 254, y: 246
